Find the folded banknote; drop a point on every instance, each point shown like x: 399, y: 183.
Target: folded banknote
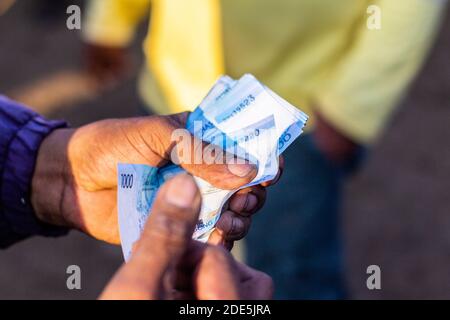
x: 242, y: 117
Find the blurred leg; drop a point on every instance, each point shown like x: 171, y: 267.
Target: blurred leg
x: 297, y: 236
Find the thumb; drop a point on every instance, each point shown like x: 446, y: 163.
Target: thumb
x: 168, y: 138
x: 225, y: 174
x: 208, y: 161
x: 166, y: 237
x: 168, y: 231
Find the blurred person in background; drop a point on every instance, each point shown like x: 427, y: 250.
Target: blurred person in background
x: 319, y: 55
x: 43, y: 11
x: 49, y: 11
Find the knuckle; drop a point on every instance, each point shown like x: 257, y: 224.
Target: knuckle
x: 225, y: 221
x: 265, y: 282
x: 237, y: 203
x: 241, y: 226
x: 234, y: 226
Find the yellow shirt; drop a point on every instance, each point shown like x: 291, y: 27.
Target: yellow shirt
x: 315, y: 53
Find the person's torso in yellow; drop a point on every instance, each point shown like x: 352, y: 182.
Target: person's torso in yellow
x: 288, y: 45
x: 314, y: 53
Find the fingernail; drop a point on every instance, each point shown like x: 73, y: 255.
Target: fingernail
x: 241, y: 170
x: 181, y: 191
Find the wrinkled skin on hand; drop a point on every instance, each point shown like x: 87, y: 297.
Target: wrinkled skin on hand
x: 168, y: 264
x: 75, y: 179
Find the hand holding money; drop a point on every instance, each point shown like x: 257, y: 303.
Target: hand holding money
x: 167, y: 264
x: 75, y: 178
x: 239, y: 120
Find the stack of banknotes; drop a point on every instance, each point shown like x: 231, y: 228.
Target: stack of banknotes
x: 242, y: 117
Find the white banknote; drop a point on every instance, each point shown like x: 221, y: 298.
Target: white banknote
x: 244, y: 118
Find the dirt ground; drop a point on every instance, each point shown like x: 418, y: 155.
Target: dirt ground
x: 397, y: 208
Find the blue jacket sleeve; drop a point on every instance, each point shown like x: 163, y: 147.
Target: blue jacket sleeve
x: 21, y: 133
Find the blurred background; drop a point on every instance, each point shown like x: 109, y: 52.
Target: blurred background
x: 397, y: 208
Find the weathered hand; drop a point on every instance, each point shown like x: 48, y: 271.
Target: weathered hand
x: 75, y: 180
x: 168, y: 264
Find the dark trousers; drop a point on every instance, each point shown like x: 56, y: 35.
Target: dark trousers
x: 296, y: 238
